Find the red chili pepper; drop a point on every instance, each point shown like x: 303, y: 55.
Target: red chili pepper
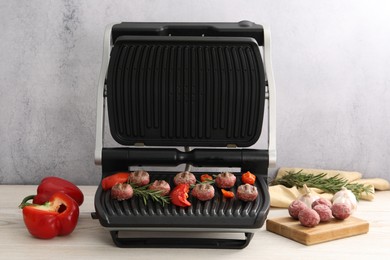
x: 249, y: 178
x: 109, y: 181
x: 51, y: 185
x: 227, y: 194
x: 206, y: 177
x: 179, y: 195
x: 57, y: 217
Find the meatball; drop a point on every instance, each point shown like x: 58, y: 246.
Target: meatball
x: 139, y: 178
x: 203, y: 191
x: 161, y: 186
x: 225, y: 180
x: 122, y: 191
x: 247, y: 192
x: 341, y: 210
x: 324, y: 212
x: 322, y: 201
x: 184, y: 178
x: 309, y: 217
x: 295, y: 207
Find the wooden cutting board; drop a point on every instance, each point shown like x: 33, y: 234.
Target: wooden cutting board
x: 335, y: 229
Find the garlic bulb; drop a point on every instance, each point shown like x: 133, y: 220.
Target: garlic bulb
x: 345, y: 196
x: 308, y: 197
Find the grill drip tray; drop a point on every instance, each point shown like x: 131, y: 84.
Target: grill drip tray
x: 132, y: 223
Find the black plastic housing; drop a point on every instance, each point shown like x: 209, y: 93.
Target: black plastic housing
x: 120, y: 159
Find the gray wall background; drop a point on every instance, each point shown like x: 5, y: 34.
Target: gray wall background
x: 331, y: 61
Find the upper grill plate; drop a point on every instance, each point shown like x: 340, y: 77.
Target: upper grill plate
x: 185, y: 91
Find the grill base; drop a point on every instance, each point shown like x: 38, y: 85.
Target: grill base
x: 180, y: 241
x: 219, y: 216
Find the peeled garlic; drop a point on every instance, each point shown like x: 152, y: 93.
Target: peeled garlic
x: 345, y: 196
x: 308, y: 197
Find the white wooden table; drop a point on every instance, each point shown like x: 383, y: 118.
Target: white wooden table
x: 91, y: 241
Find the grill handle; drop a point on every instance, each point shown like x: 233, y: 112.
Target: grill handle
x: 241, y: 29
x: 120, y: 159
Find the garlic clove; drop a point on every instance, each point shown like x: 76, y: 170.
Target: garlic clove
x: 308, y: 196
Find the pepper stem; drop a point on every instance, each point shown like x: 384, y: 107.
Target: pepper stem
x: 24, y: 201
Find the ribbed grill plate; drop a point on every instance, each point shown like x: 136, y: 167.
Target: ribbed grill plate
x: 215, y: 213
x: 193, y: 91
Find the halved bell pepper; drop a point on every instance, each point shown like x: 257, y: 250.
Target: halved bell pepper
x: 112, y: 180
x: 57, y: 217
x: 51, y: 185
x: 179, y: 195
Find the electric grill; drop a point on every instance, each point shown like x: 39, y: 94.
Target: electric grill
x: 185, y: 94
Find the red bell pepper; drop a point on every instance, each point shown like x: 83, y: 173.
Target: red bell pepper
x: 248, y: 178
x: 206, y: 178
x: 110, y: 181
x: 179, y: 195
x: 51, y: 185
x: 227, y: 194
x: 57, y: 217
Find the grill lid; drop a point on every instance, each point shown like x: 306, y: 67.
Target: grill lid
x: 185, y: 91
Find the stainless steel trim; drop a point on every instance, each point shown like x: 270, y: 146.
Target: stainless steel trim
x: 100, y: 103
x: 271, y: 99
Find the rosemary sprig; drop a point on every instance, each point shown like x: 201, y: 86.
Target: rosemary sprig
x: 327, y: 184
x: 154, y: 195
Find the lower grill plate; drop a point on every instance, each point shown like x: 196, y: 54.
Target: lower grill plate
x: 215, y: 213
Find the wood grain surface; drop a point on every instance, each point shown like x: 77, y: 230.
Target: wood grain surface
x: 335, y: 229
x: 92, y: 241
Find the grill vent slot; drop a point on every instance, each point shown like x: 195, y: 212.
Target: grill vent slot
x: 196, y: 93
